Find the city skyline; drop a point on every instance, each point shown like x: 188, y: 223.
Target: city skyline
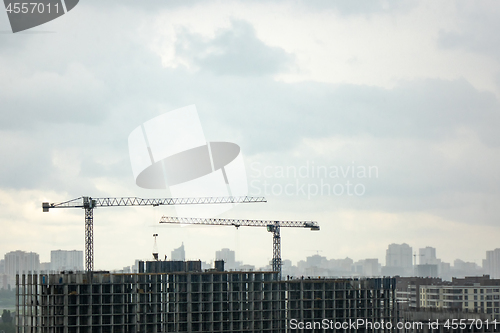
x: 412, y: 260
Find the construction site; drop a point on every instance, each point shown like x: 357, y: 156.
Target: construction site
x: 178, y: 296
x: 195, y: 301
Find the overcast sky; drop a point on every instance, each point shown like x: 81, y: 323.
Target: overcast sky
x: 408, y: 90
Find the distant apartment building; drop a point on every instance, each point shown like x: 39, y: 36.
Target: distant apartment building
x: 317, y: 265
x: 398, y: 260
x: 408, y: 290
x: 287, y: 268
x: 366, y: 267
x: 45, y: 267
x: 61, y: 260
x: 3, y: 276
x: 20, y: 262
x: 229, y: 257
x: 429, y: 264
x: 426, y: 270
x: 470, y: 294
x: 491, y: 264
x: 422, y: 301
x: 427, y: 256
x: 4, y: 281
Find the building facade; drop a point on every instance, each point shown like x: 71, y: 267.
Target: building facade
x: 20, y: 262
x: 408, y: 290
x: 229, y: 257
x: 178, y: 254
x: 471, y: 294
x: 210, y: 301
x: 398, y: 260
x: 61, y: 260
x: 491, y: 264
x: 340, y: 302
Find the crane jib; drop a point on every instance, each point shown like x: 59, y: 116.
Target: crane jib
x: 271, y: 226
x: 89, y: 203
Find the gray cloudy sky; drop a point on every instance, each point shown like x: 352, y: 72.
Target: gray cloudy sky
x: 409, y: 88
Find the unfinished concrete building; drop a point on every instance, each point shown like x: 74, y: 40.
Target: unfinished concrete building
x: 195, y: 301
x: 333, y: 304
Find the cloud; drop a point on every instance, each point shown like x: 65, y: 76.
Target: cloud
x: 359, y: 7
x: 51, y: 97
x: 24, y: 163
x: 426, y: 109
x: 476, y: 29
x: 234, y: 51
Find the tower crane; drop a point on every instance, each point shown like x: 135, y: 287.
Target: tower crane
x: 89, y: 203
x: 272, y: 226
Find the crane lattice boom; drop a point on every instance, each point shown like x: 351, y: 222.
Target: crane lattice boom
x: 89, y: 203
x: 239, y: 222
x: 272, y: 226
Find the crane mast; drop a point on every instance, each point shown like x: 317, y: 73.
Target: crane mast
x: 272, y: 226
x: 89, y: 203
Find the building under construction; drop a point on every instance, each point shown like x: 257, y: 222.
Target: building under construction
x: 179, y: 297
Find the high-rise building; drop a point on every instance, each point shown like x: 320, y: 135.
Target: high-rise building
x: 61, y: 260
x: 399, y: 255
x: 398, y: 260
x: 491, y: 264
x: 367, y: 267
x: 4, y: 281
x: 427, y: 256
x: 229, y: 257
x: 178, y: 254
x: 45, y: 267
x: 20, y: 262
x: 431, y: 266
x: 426, y: 270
